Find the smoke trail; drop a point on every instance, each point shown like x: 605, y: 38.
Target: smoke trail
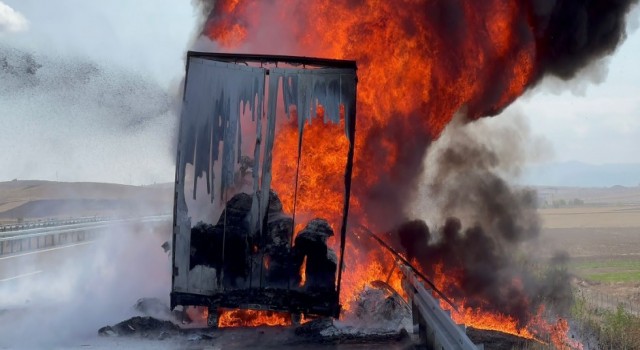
x: 485, y: 224
x: 11, y: 21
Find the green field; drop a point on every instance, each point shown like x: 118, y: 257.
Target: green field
x: 610, y: 271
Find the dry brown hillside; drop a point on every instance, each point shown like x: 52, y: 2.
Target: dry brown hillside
x: 32, y: 200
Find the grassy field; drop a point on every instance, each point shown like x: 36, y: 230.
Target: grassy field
x: 602, y: 236
x: 600, y: 229
x: 611, y: 270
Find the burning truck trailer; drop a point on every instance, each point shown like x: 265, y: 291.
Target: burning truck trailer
x: 235, y: 245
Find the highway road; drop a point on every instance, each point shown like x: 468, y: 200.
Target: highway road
x: 22, y: 268
x: 61, y: 295
x: 30, y: 266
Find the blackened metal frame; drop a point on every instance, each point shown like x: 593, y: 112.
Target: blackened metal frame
x: 295, y: 301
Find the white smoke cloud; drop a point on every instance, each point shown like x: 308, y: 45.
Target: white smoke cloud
x: 11, y: 21
x: 74, y: 119
x: 85, y: 288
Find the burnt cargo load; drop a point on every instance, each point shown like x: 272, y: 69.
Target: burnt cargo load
x: 235, y: 245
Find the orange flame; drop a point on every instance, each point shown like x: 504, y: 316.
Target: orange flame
x: 303, y: 272
x: 412, y: 78
x: 252, y: 318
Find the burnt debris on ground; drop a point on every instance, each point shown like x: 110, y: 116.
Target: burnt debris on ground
x: 499, y: 341
x: 156, y: 308
x: 380, y: 318
x: 143, y: 326
x: 328, y: 331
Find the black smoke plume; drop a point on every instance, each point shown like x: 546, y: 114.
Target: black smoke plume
x: 480, y: 245
x: 571, y: 34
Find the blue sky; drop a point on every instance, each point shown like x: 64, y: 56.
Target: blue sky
x: 588, y: 122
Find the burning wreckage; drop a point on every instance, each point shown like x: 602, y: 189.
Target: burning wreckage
x: 245, y: 254
x: 235, y: 246
x: 240, y: 248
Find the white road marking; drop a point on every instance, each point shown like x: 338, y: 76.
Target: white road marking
x: 21, y: 276
x: 45, y: 250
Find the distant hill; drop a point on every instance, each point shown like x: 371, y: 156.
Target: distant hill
x: 578, y: 174
x: 551, y: 196
x: 31, y: 199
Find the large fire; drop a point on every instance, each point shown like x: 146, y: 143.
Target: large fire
x: 415, y: 72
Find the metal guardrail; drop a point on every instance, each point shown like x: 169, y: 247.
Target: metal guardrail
x: 46, y: 237
x: 434, y: 325
x: 50, y: 223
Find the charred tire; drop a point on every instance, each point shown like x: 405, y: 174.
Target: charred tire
x: 212, y: 318
x: 296, y: 318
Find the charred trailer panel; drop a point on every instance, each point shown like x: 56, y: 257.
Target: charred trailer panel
x: 235, y: 245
